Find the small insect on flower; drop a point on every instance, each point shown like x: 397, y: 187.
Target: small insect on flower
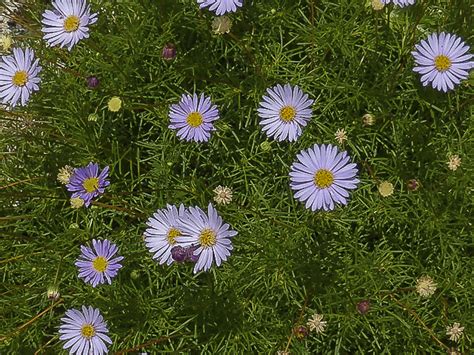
x: 193, y: 118
x: 68, y: 23
x: 284, y: 112
x: 401, y: 3
x: 87, y: 183
x: 221, y: 25
x: 65, y: 174
x: 455, y: 332
x: 442, y: 61
x: 210, y: 234
x: 220, y: 7
x: 223, y: 195
x: 385, y: 188
x: 18, y: 76
x: 160, y: 237
x: 454, y: 162
x: 84, y: 332
x: 316, y: 323
x: 322, y: 177
x: 425, y: 286
x: 97, y: 265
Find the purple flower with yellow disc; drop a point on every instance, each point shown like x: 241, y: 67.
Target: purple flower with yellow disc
x: 322, y: 177
x: 401, y: 3
x: 209, y: 233
x: 87, y: 183
x: 192, y: 118
x: 221, y: 7
x: 99, y: 264
x: 68, y: 23
x: 18, y: 76
x: 442, y: 61
x: 84, y: 332
x: 284, y: 112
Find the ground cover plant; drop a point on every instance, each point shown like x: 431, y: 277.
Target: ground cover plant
x: 294, y: 177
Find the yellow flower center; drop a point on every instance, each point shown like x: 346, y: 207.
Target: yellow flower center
x: 194, y: 119
x: 207, y: 238
x: 172, y: 234
x: 71, y: 23
x: 100, y: 264
x: 323, y: 178
x: 91, y: 184
x: 87, y: 331
x: 442, y: 63
x: 287, y: 113
x: 20, y: 78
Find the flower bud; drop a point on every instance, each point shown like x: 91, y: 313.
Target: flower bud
x: 363, y: 306
x: 92, y: 82
x: 178, y: 253
x: 169, y: 51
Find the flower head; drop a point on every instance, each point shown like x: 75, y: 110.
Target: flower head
x: 210, y: 234
x: 220, y: 7
x: 454, y: 162
x: 442, y: 61
x: 76, y: 202
x: 322, y: 176
x: 455, y: 332
x: 341, y: 136
x: 164, y: 228
x: 114, y: 104
x: 18, y: 76
x: 98, y: 265
x: 401, y: 3
x: 223, y: 195
x: 377, y: 5
x: 193, y: 118
x: 84, y: 332
x: 385, y: 188
x: 68, y: 23
x: 52, y: 293
x: 65, y: 174
x: 5, y: 42
x: 221, y: 25
x: 316, y: 323
x: 425, y: 286
x: 368, y: 119
x: 87, y: 183
x: 284, y: 112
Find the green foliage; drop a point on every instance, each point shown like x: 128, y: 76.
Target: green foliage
x: 287, y: 262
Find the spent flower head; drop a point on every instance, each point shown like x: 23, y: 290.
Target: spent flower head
x: 385, y: 188
x: 223, y: 195
x: 341, y: 135
x: 221, y: 25
x: 425, y: 286
x: 65, y: 174
x: 76, y: 202
x: 454, y: 162
x: 316, y: 323
x: 368, y: 119
x: 455, y: 331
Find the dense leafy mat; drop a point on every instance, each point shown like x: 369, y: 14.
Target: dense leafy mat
x: 288, y: 262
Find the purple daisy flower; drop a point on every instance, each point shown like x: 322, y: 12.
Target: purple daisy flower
x: 220, y: 7
x: 322, y: 177
x: 68, y: 23
x: 401, y: 3
x: 96, y: 266
x: 86, y: 183
x: 209, y: 233
x: 165, y: 227
x: 284, y: 112
x: 442, y: 61
x: 192, y: 118
x: 84, y: 332
x: 19, y: 76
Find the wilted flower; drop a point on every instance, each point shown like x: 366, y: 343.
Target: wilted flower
x: 65, y: 174
x: 455, y: 332
x: 316, y: 323
x: 368, y: 119
x: 76, y: 202
x: 114, y: 104
x: 5, y: 42
x: 221, y: 25
x: 425, y: 286
x: 377, y: 5
x: 93, y: 117
x: 300, y: 332
x: 341, y: 136
x: 386, y: 188
x: 223, y: 195
x: 454, y: 162
x: 52, y: 293
x: 413, y: 185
